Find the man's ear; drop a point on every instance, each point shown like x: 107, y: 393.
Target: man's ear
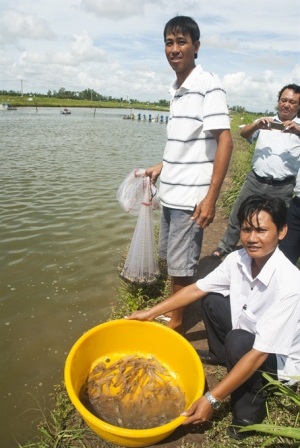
x: 197, y: 46
x: 283, y: 232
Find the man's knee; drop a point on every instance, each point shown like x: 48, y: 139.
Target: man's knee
x: 212, y: 301
x: 218, y: 308
x: 238, y: 343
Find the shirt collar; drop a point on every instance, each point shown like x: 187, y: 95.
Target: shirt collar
x: 188, y: 82
x: 267, y: 271
x: 295, y: 119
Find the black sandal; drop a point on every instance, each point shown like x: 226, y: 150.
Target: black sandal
x: 218, y: 253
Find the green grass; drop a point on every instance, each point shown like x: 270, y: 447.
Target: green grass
x: 240, y: 163
x: 282, y: 414
x: 61, y: 427
x: 288, y: 404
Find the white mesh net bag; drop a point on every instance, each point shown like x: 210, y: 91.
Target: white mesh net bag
x: 141, y: 264
x: 131, y: 191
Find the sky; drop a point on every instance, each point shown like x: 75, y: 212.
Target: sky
x: 116, y: 47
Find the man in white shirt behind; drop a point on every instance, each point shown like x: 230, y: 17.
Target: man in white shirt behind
x: 275, y: 162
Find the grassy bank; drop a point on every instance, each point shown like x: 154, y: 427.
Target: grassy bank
x: 240, y: 162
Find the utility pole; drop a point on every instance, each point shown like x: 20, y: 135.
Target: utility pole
x: 22, y: 88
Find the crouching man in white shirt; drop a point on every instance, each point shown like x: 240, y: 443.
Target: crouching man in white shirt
x: 251, y: 310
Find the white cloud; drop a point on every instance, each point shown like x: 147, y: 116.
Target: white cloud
x: 115, y: 9
x: 30, y: 58
x: 218, y: 41
x: 264, y: 74
x: 16, y: 26
x: 259, y: 94
x: 84, y: 49
x: 117, y: 49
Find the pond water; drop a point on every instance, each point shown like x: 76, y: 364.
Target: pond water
x: 62, y: 234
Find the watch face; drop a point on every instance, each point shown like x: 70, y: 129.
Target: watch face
x: 214, y: 403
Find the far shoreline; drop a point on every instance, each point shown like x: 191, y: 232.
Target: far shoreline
x: 35, y: 101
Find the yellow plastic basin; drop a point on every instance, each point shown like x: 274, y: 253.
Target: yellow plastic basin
x: 129, y: 337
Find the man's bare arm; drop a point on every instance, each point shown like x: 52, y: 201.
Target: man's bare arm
x: 205, y: 211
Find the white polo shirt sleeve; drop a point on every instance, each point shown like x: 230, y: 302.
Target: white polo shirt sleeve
x: 217, y: 281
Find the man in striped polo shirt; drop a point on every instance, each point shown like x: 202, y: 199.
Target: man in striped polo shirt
x: 195, y: 159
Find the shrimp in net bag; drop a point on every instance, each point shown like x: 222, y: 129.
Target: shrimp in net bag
x: 141, y: 264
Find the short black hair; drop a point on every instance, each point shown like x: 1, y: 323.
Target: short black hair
x: 293, y: 87
x: 251, y: 206
x: 183, y: 24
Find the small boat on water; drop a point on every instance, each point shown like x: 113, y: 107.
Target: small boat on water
x: 65, y: 111
x: 7, y: 106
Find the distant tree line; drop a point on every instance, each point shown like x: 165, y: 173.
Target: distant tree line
x: 239, y: 109
x: 87, y: 94
x: 242, y: 110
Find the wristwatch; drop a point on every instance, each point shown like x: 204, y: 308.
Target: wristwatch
x: 214, y: 403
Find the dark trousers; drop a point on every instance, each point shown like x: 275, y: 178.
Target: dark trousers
x: 229, y: 346
x: 290, y: 245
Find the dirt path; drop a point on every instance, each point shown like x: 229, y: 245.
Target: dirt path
x: 195, y: 333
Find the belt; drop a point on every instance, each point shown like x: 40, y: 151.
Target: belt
x: 272, y: 181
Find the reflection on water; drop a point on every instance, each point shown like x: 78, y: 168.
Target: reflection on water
x: 61, y: 236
